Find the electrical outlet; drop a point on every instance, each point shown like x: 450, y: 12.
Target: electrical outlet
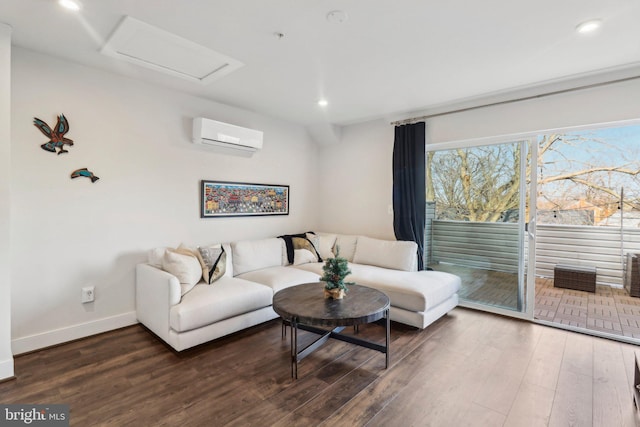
x: 88, y: 294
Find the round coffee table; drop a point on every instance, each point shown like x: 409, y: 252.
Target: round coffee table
x: 305, y: 307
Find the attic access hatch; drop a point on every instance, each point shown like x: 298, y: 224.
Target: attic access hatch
x: 151, y: 47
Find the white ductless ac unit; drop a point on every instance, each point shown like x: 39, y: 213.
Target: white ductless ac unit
x: 226, y: 138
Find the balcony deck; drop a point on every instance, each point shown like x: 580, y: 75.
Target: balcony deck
x: 609, y: 309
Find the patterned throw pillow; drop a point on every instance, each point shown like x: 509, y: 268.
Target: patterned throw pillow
x: 304, y: 243
x: 213, y: 260
x: 315, y: 241
x: 325, y: 245
x: 303, y: 256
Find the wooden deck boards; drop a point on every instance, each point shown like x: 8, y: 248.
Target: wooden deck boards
x: 609, y: 310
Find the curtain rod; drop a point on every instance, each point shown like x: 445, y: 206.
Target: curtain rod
x: 510, y: 101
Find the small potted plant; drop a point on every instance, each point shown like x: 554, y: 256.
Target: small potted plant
x: 335, y: 270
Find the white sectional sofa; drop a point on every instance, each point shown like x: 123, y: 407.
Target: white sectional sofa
x: 188, y: 314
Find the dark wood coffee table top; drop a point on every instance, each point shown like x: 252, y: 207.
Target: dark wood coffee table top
x: 307, y: 305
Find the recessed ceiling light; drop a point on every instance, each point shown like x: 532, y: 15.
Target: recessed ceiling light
x: 70, y: 4
x: 589, y: 26
x: 323, y: 102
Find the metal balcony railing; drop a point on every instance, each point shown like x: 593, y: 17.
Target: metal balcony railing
x: 494, y: 246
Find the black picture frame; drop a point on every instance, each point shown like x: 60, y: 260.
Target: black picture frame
x: 231, y: 199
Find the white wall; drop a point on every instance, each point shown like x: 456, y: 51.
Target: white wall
x: 6, y: 358
x: 136, y: 137
x: 357, y: 174
x: 356, y: 181
x: 602, y: 104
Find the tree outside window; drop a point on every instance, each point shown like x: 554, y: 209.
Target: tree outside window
x: 584, y: 178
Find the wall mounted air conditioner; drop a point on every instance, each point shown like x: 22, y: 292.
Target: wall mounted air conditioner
x: 226, y: 138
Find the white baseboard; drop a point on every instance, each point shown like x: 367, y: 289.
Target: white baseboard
x: 6, y: 369
x: 70, y: 333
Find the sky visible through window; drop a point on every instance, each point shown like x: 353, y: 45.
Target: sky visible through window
x: 582, y: 175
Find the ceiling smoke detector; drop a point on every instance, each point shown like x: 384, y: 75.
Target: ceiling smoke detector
x: 337, y: 16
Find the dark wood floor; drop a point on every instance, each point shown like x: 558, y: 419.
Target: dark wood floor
x: 469, y: 368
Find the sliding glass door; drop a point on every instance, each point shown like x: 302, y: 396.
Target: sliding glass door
x: 477, y: 217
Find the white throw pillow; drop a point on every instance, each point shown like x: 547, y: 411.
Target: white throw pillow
x: 303, y: 256
x: 325, y: 245
x: 229, y: 269
x: 394, y: 254
x: 285, y: 259
x: 347, y: 246
x: 154, y: 257
x: 249, y: 255
x: 185, y: 267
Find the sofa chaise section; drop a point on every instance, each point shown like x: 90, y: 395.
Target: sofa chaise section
x: 418, y: 298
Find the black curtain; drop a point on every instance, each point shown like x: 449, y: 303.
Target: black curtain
x: 409, y: 185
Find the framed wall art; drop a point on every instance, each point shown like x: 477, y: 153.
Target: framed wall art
x: 225, y: 199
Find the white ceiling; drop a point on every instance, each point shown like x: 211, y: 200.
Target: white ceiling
x: 388, y: 59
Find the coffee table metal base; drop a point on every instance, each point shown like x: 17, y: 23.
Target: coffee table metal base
x: 325, y: 335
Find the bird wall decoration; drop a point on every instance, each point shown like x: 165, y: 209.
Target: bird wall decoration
x: 57, y: 140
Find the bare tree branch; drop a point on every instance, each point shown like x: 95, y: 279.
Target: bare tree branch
x: 571, y: 175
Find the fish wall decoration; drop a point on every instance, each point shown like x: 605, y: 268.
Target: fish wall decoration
x: 57, y: 140
x: 84, y: 172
